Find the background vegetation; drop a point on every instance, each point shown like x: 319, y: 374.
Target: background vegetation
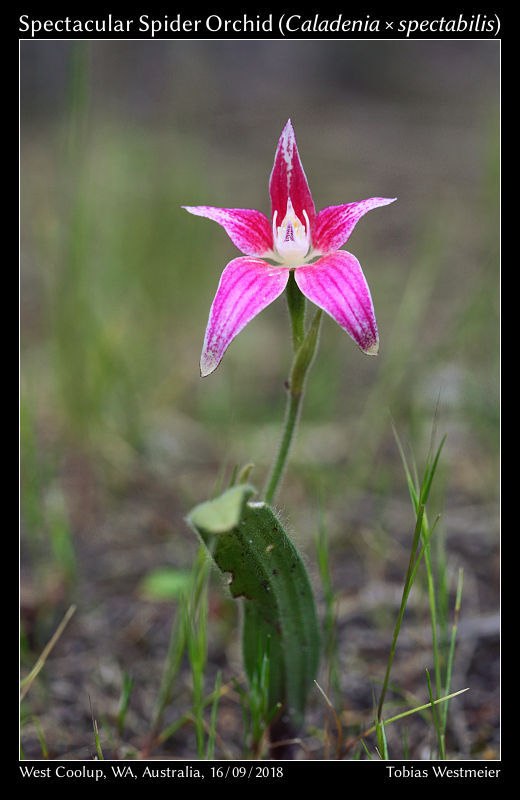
x: 120, y: 437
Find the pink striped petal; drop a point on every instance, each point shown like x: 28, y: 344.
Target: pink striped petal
x: 288, y: 180
x: 336, y: 284
x: 248, y: 229
x: 334, y: 224
x: 246, y: 287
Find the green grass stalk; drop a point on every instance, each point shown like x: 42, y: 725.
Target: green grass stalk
x: 126, y: 691
x: 419, y: 495
x: 210, y: 749
x: 436, y: 721
x: 451, y: 654
x: 418, y: 709
x: 27, y: 682
x: 41, y: 737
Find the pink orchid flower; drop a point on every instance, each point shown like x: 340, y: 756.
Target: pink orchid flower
x: 292, y: 240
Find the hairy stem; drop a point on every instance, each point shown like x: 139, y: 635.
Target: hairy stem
x: 291, y: 418
x: 305, y: 346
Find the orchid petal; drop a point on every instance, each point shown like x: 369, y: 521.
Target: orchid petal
x: 336, y: 284
x: 246, y: 287
x: 334, y: 224
x: 249, y: 230
x: 288, y: 181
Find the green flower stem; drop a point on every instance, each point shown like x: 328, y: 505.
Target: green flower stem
x: 305, y: 346
x: 296, y: 303
x: 291, y: 418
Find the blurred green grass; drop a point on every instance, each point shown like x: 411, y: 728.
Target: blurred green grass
x: 117, y: 281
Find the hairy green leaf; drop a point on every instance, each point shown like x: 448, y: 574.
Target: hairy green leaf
x: 248, y: 542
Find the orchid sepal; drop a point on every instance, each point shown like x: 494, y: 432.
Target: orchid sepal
x: 336, y: 284
x: 334, y: 224
x: 248, y: 229
x: 247, y: 286
x: 288, y: 180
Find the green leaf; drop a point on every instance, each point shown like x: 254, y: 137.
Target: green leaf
x: 221, y: 514
x: 266, y: 573
x: 165, y: 583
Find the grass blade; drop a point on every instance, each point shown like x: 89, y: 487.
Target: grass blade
x: 28, y: 680
x: 436, y: 722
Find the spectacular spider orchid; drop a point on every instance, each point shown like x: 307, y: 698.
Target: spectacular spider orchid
x: 293, y: 240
